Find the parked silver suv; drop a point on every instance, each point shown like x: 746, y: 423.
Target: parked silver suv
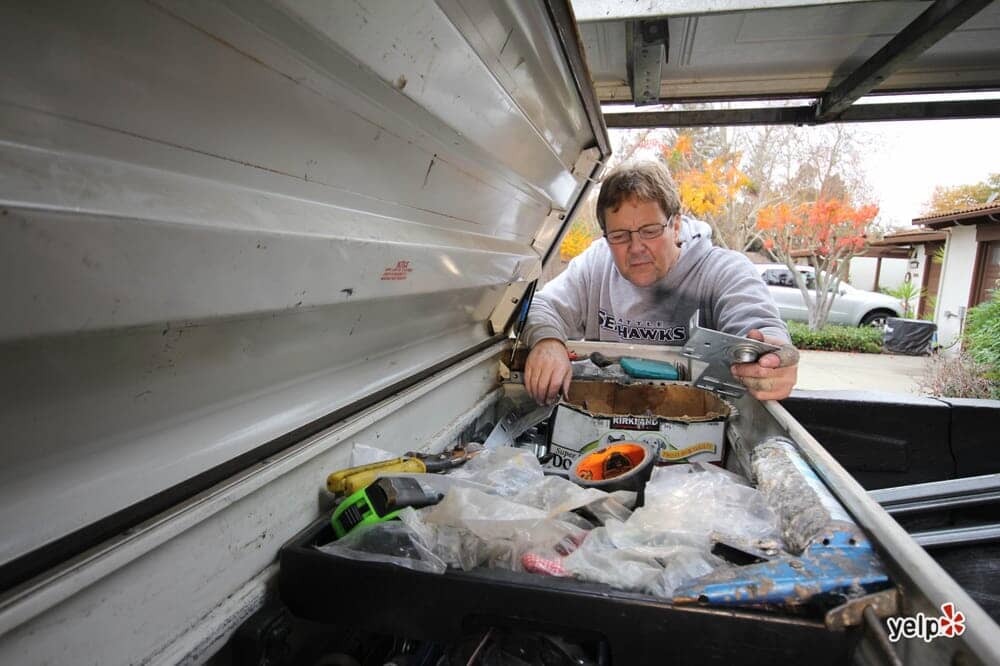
x: 851, y: 307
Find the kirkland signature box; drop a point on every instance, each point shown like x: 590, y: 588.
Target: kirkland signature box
x: 680, y: 423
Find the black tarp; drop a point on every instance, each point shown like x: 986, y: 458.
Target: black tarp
x: 908, y: 336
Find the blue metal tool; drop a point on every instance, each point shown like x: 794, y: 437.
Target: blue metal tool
x: 839, y: 565
x: 835, y: 557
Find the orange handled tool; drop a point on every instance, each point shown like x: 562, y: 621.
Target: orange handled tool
x: 611, y: 461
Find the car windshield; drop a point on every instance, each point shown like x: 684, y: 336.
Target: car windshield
x: 782, y: 277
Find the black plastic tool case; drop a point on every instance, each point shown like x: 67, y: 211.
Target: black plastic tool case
x: 639, y: 629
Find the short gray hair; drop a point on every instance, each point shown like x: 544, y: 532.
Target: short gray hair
x: 643, y: 180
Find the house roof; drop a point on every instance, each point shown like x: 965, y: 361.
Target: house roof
x: 897, y: 245
x: 981, y: 214
x: 909, y: 237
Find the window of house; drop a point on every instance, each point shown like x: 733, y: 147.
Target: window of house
x: 989, y: 272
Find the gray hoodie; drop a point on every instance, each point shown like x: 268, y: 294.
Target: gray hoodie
x: 591, y: 300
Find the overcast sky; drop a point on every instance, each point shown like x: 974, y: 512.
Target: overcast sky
x: 909, y: 158
x: 917, y: 155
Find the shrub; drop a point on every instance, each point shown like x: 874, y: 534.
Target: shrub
x: 909, y: 294
x: 836, y: 338
x: 958, y: 376
x: 982, y: 336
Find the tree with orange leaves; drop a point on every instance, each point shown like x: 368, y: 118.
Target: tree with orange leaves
x: 827, y: 232
x: 708, y: 177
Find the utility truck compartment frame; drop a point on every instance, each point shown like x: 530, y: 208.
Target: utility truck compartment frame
x: 237, y: 238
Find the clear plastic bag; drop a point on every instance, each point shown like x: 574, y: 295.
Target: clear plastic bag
x: 599, y: 560
x: 701, y: 501
x: 629, y: 558
x: 555, y: 495
x: 504, y: 530
x: 393, y: 542
x: 457, y: 547
x: 362, y: 454
x: 507, y: 470
x: 487, y: 516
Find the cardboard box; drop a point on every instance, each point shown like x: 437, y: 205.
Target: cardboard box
x: 681, y: 423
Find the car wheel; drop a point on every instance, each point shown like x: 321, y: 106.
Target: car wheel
x: 876, y: 319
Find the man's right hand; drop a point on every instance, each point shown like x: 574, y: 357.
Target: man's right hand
x: 547, y: 371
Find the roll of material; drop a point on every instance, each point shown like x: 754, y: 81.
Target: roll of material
x: 620, y: 466
x: 808, y: 510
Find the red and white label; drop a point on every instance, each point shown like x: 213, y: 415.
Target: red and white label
x: 398, y: 272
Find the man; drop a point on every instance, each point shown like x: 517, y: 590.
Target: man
x: 642, y: 283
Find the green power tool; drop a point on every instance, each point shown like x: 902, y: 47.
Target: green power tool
x: 378, y: 502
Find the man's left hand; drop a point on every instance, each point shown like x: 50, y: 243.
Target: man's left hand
x: 773, y: 375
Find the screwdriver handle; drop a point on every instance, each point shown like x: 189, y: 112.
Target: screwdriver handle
x: 350, y: 480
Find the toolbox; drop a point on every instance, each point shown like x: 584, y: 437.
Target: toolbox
x: 240, y: 239
x: 636, y: 628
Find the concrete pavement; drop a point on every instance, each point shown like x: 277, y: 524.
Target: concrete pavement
x: 890, y: 373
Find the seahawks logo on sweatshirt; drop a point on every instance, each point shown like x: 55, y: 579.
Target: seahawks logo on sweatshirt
x: 642, y: 330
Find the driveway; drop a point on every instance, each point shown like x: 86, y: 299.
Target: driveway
x: 890, y: 373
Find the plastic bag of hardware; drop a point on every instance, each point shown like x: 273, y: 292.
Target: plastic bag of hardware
x: 486, y: 516
x: 634, y: 559
x: 617, y: 505
x: 505, y: 529
x: 702, y: 501
x: 555, y: 495
x: 507, y: 470
x: 599, y: 560
x: 392, y: 542
x: 457, y: 547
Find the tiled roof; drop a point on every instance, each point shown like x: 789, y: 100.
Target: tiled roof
x: 908, y: 236
x: 961, y: 213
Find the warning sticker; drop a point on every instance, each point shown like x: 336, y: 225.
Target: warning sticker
x: 398, y: 272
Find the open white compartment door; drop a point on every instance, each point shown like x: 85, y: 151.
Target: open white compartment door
x: 225, y: 226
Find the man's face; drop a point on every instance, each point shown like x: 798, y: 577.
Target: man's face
x: 643, y: 262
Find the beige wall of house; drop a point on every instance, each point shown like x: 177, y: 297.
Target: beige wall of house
x: 863, y: 273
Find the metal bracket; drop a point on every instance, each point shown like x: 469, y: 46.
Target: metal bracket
x: 549, y: 231
x: 824, y: 570
x: 720, y: 350
x: 584, y: 166
x: 884, y: 603
x: 647, y: 43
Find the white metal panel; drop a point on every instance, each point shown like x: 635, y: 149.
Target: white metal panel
x: 176, y: 585
x: 956, y: 284
x: 220, y: 222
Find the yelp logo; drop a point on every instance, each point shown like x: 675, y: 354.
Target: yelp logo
x: 950, y: 624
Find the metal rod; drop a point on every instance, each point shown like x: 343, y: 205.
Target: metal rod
x: 804, y: 115
x: 952, y: 493
x: 922, y: 506
x: 875, y: 629
x: 957, y: 536
x: 590, y: 11
x: 926, y: 30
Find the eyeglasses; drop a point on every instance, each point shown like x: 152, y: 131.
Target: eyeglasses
x: 647, y: 232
